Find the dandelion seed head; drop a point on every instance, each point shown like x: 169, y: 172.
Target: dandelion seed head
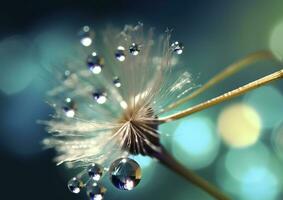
x: 119, y: 102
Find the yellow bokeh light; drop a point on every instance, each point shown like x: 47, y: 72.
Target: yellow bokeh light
x: 239, y: 125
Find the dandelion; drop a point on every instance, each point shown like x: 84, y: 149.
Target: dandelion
x: 113, y: 98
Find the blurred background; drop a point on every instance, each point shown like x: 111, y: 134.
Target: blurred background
x: 238, y: 145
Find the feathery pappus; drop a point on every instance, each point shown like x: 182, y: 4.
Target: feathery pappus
x: 113, y: 94
x: 108, y: 102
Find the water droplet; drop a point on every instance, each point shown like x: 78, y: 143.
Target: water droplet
x: 100, y: 97
x: 85, y: 36
x: 120, y: 54
x: 95, y: 63
x: 125, y: 173
x: 134, y: 49
x: 94, y: 190
x: 95, y: 171
x: 116, y: 82
x: 69, y: 108
x: 75, y: 185
x: 177, y: 47
x: 66, y: 74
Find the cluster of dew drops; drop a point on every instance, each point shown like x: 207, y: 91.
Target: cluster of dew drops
x: 124, y: 173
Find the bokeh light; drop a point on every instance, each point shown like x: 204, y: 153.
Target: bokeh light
x: 277, y: 139
x: 194, y: 142
x: 267, y: 101
x: 276, y: 40
x: 239, y: 125
x: 239, y: 161
x: 250, y: 173
x: 261, y: 184
x: 18, y: 64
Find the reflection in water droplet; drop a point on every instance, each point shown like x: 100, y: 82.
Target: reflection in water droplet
x: 95, y: 171
x: 134, y: 49
x: 69, y: 108
x: 120, y: 54
x: 116, y: 82
x: 75, y: 185
x: 177, y: 47
x: 125, y: 173
x: 95, y: 63
x: 100, y: 97
x: 94, y: 190
x: 85, y: 36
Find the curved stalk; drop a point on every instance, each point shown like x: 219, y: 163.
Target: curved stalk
x: 224, y: 97
x: 166, y: 159
x: 227, y: 72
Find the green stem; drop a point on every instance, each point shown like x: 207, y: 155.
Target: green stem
x: 166, y: 159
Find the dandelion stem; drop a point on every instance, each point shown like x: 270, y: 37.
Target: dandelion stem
x: 166, y: 159
x: 227, y: 72
x: 224, y: 97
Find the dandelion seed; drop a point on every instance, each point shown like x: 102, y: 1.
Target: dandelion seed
x: 125, y: 121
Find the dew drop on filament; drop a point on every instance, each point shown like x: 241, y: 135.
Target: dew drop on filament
x: 85, y: 36
x: 95, y: 191
x: 95, y: 171
x: 75, y: 185
x: 69, y: 108
x: 120, y: 53
x: 95, y: 63
x: 125, y: 173
x: 100, y: 97
x: 134, y: 49
x: 177, y: 47
x: 116, y: 82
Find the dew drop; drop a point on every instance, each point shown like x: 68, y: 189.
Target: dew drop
x: 177, y: 47
x: 100, y: 97
x: 75, y: 185
x: 85, y: 36
x: 95, y: 63
x: 95, y: 171
x: 134, y: 49
x: 116, y: 82
x: 125, y: 173
x: 120, y: 53
x: 94, y: 190
x: 69, y: 108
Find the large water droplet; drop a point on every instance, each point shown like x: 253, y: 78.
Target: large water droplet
x: 134, y: 49
x: 116, y: 82
x: 69, y: 108
x: 75, y: 185
x: 120, y: 54
x: 95, y: 63
x: 125, y: 173
x: 85, y: 36
x: 95, y: 171
x: 100, y: 97
x: 94, y: 190
x: 177, y: 47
